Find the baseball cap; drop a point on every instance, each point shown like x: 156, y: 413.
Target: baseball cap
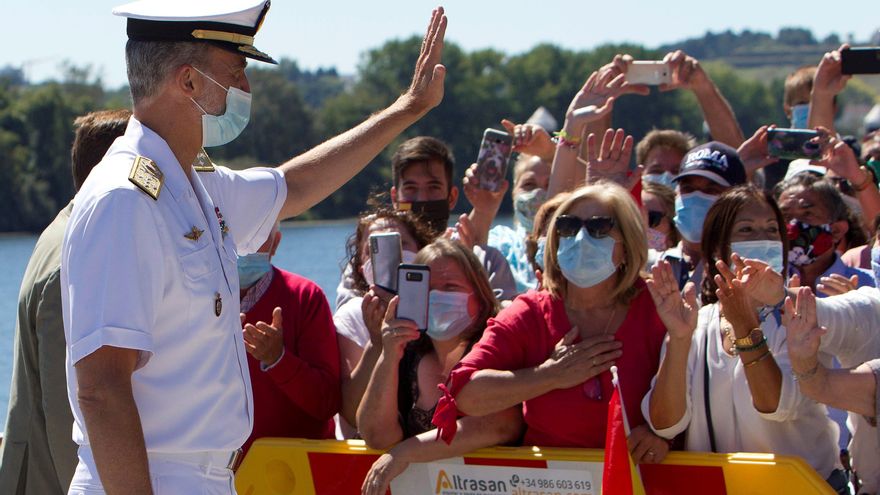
x: 715, y: 161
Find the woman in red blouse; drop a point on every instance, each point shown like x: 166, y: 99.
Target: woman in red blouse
x: 551, y: 350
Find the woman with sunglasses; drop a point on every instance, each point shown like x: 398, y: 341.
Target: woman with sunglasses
x: 551, y: 349
x: 725, y: 378
x: 659, y: 202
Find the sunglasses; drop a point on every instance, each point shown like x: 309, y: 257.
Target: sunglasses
x: 570, y: 225
x: 654, y: 218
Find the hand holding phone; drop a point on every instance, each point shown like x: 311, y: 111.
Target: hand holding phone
x: 413, y: 283
x: 495, y: 149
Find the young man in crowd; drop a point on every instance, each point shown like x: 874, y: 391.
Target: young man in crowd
x: 37, y: 454
x: 292, y: 354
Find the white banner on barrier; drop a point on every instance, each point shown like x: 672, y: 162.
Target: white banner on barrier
x: 459, y: 479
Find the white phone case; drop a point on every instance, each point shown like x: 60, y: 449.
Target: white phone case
x: 650, y: 72
x: 413, y: 284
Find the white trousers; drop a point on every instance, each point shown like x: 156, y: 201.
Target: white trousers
x: 197, y: 474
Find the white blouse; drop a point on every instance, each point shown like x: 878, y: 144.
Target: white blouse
x: 799, y: 426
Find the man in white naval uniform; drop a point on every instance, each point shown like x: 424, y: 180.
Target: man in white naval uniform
x: 157, y: 371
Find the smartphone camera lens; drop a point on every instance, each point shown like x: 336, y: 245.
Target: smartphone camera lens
x: 414, y: 277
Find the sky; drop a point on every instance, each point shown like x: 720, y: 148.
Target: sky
x: 42, y: 34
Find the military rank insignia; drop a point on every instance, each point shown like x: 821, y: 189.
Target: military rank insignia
x: 147, y: 176
x: 224, y: 229
x: 202, y: 162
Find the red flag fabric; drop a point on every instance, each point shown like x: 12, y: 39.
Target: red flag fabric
x: 616, y: 474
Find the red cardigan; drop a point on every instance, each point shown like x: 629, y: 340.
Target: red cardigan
x: 525, y: 334
x: 300, y: 394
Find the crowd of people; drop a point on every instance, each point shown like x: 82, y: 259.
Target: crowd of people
x: 735, y: 293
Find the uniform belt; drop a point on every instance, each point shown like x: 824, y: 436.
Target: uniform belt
x: 215, y: 458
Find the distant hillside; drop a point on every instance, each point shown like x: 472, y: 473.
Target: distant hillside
x: 791, y: 47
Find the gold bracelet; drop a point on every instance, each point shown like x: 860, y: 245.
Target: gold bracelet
x: 868, y: 179
x: 758, y: 359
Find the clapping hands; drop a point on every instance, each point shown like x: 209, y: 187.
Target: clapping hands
x: 678, y: 313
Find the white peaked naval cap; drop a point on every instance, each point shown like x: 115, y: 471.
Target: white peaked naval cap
x: 228, y: 24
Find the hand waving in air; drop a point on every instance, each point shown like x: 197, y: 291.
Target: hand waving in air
x: 426, y: 90
x: 678, y: 314
x: 611, y: 160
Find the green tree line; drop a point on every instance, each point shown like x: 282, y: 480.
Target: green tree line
x: 294, y: 109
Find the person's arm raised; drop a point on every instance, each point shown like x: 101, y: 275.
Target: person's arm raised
x: 111, y: 416
x: 319, y: 172
x: 827, y: 83
x: 687, y: 73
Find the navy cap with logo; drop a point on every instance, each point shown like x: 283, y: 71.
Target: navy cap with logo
x: 228, y: 24
x: 715, y: 161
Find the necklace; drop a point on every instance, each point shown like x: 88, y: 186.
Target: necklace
x: 610, y: 319
x: 727, y: 330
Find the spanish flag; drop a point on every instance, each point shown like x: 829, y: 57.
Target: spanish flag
x: 619, y: 476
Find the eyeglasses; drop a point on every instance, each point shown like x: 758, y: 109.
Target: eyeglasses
x: 654, y: 218
x: 570, y: 225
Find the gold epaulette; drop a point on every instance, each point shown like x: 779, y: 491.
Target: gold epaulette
x: 202, y: 163
x: 147, y: 176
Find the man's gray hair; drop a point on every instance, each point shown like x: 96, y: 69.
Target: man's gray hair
x: 150, y: 63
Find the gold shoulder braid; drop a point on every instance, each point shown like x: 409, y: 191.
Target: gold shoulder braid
x: 147, y: 176
x: 202, y: 162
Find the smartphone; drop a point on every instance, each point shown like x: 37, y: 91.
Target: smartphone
x: 413, y: 284
x: 793, y: 143
x: 385, y: 256
x: 862, y: 60
x: 652, y: 72
x: 495, y: 151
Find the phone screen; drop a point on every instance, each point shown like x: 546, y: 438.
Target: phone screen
x: 793, y: 143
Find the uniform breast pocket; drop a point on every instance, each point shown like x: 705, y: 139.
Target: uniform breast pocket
x: 200, y: 264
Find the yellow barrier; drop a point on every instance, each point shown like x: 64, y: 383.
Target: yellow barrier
x: 276, y: 466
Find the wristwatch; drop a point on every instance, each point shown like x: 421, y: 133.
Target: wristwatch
x: 750, y: 341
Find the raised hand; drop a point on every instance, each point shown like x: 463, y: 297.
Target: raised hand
x: 482, y: 199
x: 397, y: 332
x: 760, y: 281
x: 593, y: 101
x: 829, y: 79
x: 836, y: 284
x: 840, y: 158
x: 611, y: 161
x: 753, y: 152
x: 530, y: 139
x: 263, y: 341
x: 373, y: 309
x: 677, y: 313
x: 803, y: 333
x: 426, y: 90
x: 686, y: 72
x: 737, y: 305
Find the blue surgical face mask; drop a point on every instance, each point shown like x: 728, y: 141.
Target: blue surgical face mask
x: 448, y: 314
x: 584, y: 260
x: 690, y: 213
x: 252, y: 267
x: 526, y: 205
x: 664, y: 179
x: 768, y: 251
x: 800, y: 115
x: 218, y: 130
x: 539, y: 253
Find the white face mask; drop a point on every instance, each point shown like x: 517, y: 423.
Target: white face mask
x: 218, y: 130
x: 800, y: 115
x: 664, y: 179
x: 448, y: 314
x: 768, y: 251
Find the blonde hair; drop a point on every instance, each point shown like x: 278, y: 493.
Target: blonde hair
x: 475, y: 273
x: 799, y: 81
x: 628, y: 221
x: 664, y: 138
x: 667, y: 197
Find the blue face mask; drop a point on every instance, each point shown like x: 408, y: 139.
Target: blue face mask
x: 218, y: 130
x: 252, y: 267
x: 769, y: 252
x: 584, y: 260
x: 539, y: 253
x: 800, y: 115
x: 447, y: 314
x: 690, y: 212
x: 664, y: 179
x: 526, y: 205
